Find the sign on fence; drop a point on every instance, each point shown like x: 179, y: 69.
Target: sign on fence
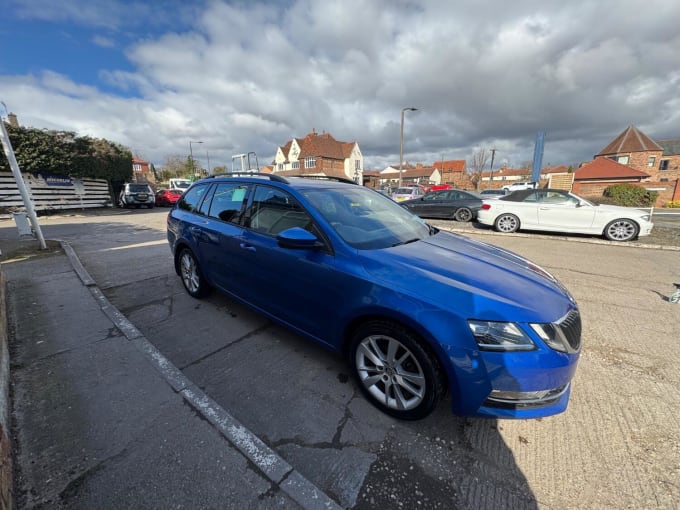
x: 54, y: 192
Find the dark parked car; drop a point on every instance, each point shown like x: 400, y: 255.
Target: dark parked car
x: 168, y: 197
x: 417, y: 312
x: 136, y: 195
x: 451, y: 204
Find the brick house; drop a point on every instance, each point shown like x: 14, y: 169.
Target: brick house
x: 453, y: 171
x: 592, y: 178
x: 141, y: 171
x: 659, y: 159
x: 319, y: 154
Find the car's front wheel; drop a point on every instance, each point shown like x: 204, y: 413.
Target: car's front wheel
x: 462, y: 214
x: 191, y: 275
x: 395, y: 372
x: 507, y: 223
x: 621, y: 230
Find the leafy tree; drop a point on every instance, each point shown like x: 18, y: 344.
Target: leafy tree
x: 64, y: 153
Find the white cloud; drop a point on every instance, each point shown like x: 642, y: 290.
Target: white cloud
x: 250, y: 76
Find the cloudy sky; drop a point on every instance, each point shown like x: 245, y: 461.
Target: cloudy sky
x: 250, y: 75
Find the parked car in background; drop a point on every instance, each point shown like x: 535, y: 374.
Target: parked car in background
x: 555, y: 210
x: 453, y: 204
x: 417, y: 312
x: 493, y: 193
x: 520, y: 186
x: 136, y: 195
x: 407, y: 193
x: 168, y: 197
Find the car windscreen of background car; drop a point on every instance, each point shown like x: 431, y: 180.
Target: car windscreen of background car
x: 139, y: 188
x: 364, y: 219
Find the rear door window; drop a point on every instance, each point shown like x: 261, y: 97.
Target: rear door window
x: 192, y: 199
x: 227, y: 202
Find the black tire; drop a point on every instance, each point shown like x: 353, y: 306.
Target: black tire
x: 463, y: 214
x: 506, y: 223
x: 621, y: 230
x: 408, y: 384
x: 191, y: 275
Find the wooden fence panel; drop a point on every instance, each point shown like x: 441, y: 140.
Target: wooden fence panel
x: 54, y: 192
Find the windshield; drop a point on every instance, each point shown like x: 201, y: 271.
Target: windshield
x: 404, y: 191
x: 139, y: 188
x: 366, y: 220
x: 181, y: 183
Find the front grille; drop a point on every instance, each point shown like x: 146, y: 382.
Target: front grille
x: 571, y: 328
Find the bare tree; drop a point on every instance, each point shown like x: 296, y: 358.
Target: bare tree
x: 476, y: 166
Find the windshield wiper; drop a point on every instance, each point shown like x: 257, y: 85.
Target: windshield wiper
x: 406, y: 242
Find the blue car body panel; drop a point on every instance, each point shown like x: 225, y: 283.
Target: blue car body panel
x: 433, y: 286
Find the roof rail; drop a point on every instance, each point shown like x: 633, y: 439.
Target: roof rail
x: 322, y: 177
x: 271, y: 177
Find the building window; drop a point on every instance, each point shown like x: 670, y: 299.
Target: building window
x: 310, y: 162
x: 663, y: 164
x: 651, y: 161
x: 295, y: 165
x: 663, y: 179
x: 279, y: 167
x: 357, y: 165
x: 137, y: 167
x: 623, y: 159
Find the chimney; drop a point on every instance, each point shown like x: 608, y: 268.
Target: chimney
x: 12, y: 118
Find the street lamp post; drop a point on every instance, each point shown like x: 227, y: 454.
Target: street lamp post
x: 208, y: 156
x: 401, y: 141
x: 191, y: 156
x: 493, y: 154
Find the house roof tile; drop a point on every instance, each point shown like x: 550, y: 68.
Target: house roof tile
x: 605, y: 168
x: 631, y: 139
x: 671, y: 146
x: 452, y: 165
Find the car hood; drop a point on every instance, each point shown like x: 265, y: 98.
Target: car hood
x: 616, y: 210
x: 476, y: 279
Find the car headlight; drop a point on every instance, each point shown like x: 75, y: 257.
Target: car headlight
x: 551, y: 335
x: 500, y: 336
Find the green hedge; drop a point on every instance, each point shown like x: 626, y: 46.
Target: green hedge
x: 629, y: 195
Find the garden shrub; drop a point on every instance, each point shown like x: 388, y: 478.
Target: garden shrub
x: 672, y: 203
x: 629, y: 195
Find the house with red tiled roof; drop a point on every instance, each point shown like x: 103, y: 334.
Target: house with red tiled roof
x: 410, y: 174
x: 604, y: 169
x: 141, y: 171
x: 320, y: 154
x: 451, y: 170
x: 591, y: 179
x: 659, y: 159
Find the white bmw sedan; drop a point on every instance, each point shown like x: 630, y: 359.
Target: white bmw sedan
x: 554, y: 210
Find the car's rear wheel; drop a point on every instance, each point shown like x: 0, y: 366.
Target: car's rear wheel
x: 507, y: 223
x: 462, y: 214
x: 191, y: 275
x: 394, y: 371
x: 621, y: 230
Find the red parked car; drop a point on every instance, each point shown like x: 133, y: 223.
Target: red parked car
x: 167, y: 197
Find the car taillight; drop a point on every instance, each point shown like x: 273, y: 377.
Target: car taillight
x: 486, y: 207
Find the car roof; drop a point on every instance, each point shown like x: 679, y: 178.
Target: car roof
x: 293, y: 181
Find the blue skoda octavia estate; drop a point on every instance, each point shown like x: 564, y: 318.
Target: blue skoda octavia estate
x: 418, y: 313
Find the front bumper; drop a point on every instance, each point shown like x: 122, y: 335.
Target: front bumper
x: 518, y: 385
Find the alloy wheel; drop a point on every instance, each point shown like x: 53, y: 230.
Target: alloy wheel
x: 390, y: 372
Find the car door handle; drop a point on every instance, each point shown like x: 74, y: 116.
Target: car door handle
x: 247, y: 246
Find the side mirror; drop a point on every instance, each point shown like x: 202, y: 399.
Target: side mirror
x: 297, y: 238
